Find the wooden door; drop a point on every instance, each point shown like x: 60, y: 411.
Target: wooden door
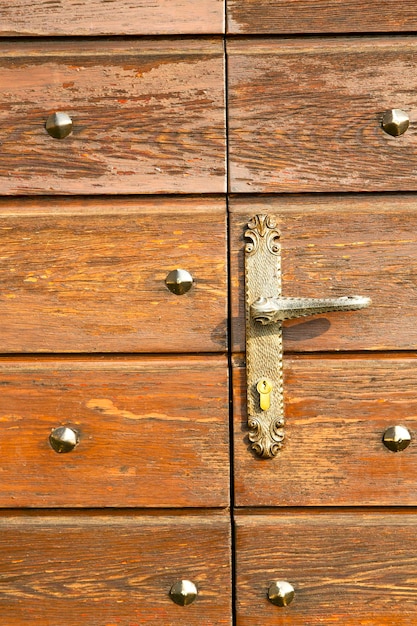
x: 137, y: 141
x: 115, y: 415
x: 325, y: 529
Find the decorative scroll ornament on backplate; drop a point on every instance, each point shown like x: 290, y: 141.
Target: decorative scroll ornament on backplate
x: 266, y: 309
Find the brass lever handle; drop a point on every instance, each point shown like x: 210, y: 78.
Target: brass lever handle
x: 270, y: 310
x: 264, y: 317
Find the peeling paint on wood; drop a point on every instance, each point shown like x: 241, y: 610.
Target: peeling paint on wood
x: 328, y: 16
x: 305, y: 114
x: 111, y: 17
x: 147, y: 117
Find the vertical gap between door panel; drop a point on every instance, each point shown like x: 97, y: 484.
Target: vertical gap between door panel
x: 229, y: 332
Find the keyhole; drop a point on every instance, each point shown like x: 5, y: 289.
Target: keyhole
x: 264, y: 388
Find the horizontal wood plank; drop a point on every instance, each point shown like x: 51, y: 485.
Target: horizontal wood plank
x: 330, y: 16
x: 80, y: 275
x: 148, y: 116
x: 336, y: 246
x: 305, y: 114
x: 336, y: 411
x: 101, y: 17
x: 99, y: 569
x: 152, y: 432
x: 351, y: 568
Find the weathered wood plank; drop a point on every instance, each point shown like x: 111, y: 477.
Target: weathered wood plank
x: 148, y: 116
x: 349, y: 568
x: 337, y: 410
x: 80, y: 275
x: 152, y: 432
x: 334, y: 246
x: 107, y: 17
x: 328, y: 16
x: 305, y: 114
x: 104, y: 569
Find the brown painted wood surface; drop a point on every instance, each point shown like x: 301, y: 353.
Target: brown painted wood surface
x: 335, y: 246
x: 81, y: 275
x: 153, y: 432
x: 104, y: 17
x: 351, y: 568
x: 337, y: 410
x: 108, y: 570
x: 328, y: 16
x: 148, y: 116
x: 305, y: 115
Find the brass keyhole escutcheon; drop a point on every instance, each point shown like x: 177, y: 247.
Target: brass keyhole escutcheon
x: 264, y: 388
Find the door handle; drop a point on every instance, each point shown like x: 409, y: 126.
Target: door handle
x: 266, y: 309
x: 270, y: 310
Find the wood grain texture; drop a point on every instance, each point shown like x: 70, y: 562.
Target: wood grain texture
x: 79, y: 275
x: 153, y: 432
x: 354, y: 568
x: 305, y: 115
x: 103, y: 570
x: 337, y: 410
x: 148, y: 116
x: 328, y: 16
x: 107, y: 17
x: 333, y: 246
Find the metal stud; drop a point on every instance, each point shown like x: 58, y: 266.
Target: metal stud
x: 59, y: 125
x: 64, y: 439
x: 395, y: 122
x: 183, y: 592
x: 179, y: 282
x: 396, y: 438
x: 281, y: 593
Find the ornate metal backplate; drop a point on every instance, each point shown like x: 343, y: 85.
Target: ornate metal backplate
x: 263, y: 342
x: 266, y: 309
